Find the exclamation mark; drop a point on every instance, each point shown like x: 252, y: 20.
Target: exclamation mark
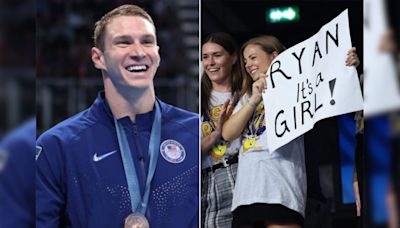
x: 332, y: 87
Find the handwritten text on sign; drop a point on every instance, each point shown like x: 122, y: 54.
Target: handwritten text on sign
x: 309, y: 82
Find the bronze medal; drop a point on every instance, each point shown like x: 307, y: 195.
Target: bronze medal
x: 136, y: 220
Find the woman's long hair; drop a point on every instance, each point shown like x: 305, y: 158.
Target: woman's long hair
x: 268, y: 44
x: 228, y: 43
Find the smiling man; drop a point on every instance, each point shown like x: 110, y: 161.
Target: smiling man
x: 129, y: 160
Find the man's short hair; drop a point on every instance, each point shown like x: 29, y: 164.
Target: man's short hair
x: 124, y: 10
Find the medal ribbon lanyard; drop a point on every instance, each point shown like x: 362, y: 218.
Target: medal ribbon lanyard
x: 139, y: 203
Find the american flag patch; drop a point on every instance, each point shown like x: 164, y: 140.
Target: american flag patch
x: 172, y: 151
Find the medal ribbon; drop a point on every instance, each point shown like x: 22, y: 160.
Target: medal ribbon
x: 139, y: 203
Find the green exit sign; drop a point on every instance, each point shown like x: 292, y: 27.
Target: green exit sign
x: 282, y: 14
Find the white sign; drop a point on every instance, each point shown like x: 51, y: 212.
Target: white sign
x: 381, y: 88
x: 309, y: 82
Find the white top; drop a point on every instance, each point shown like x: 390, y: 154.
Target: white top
x: 209, y: 123
x: 274, y: 177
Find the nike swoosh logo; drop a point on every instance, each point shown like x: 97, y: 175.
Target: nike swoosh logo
x: 101, y: 157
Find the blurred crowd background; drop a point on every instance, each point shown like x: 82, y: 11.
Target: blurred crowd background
x: 17, y: 62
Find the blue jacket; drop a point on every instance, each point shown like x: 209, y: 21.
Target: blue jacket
x: 81, y: 180
x: 17, y: 177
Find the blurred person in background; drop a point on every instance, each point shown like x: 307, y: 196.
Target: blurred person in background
x: 390, y: 43
x: 17, y: 124
x: 17, y: 177
x: 384, y: 162
x: 130, y: 159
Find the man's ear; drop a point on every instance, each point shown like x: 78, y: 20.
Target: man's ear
x: 98, y: 58
x: 158, y: 52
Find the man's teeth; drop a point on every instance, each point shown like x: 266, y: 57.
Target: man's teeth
x: 137, y: 68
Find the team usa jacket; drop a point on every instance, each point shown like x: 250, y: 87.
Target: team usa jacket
x: 81, y: 182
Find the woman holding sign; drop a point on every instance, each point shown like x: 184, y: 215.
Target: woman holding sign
x: 221, y: 83
x: 270, y: 188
